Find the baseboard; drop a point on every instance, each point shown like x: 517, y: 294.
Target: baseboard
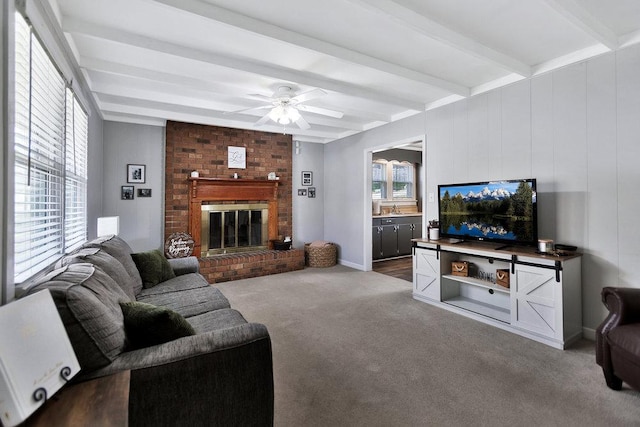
x: 351, y: 265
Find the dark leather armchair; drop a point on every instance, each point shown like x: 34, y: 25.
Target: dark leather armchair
x: 618, y: 338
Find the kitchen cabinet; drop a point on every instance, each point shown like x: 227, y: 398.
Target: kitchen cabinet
x: 391, y: 235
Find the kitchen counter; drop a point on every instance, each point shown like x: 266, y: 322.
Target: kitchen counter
x: 397, y: 215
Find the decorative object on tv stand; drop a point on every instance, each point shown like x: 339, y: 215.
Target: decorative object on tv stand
x: 136, y: 174
x: 36, y: 356
x: 434, y: 229
x: 460, y: 268
x: 502, y: 277
x: 195, y: 174
x: 545, y: 246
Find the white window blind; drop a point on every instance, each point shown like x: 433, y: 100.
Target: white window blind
x: 75, y: 216
x: 47, y: 179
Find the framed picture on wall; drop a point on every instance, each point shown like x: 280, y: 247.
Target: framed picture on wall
x: 126, y: 192
x: 312, y: 192
x: 144, y: 192
x: 136, y: 174
x: 302, y: 191
x: 307, y: 178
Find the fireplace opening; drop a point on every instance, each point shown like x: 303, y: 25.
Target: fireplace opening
x: 231, y: 228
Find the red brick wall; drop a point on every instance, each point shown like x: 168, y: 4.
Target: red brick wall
x: 203, y: 148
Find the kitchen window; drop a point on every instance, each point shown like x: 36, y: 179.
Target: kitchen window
x: 51, y: 133
x: 393, y: 180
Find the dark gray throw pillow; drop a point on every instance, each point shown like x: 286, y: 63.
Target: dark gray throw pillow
x: 153, y: 267
x: 146, y: 325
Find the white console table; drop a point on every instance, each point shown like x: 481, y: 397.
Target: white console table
x: 543, y: 301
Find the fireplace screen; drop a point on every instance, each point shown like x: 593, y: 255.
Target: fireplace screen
x: 234, y: 228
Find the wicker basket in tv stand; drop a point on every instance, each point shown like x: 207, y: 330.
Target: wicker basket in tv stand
x: 543, y: 301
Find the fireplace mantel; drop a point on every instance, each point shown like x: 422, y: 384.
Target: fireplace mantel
x: 208, y: 190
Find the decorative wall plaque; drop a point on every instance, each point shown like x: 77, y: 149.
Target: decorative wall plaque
x: 237, y: 158
x: 178, y: 245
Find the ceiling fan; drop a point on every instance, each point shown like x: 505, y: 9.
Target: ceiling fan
x: 285, y: 106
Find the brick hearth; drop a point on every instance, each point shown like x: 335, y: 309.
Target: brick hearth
x: 204, y: 148
x: 223, y: 268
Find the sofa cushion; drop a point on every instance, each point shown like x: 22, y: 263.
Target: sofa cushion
x: 88, y: 302
x: 120, y: 250
x: 153, y: 267
x: 181, y: 295
x: 107, y: 263
x: 216, y: 320
x: 178, y: 283
x: 148, y: 325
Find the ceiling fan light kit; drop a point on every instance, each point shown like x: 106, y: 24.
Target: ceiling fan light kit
x: 285, y: 107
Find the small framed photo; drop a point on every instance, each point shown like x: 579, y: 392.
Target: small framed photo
x: 144, y: 192
x: 312, y: 192
x: 302, y: 191
x: 307, y: 178
x: 136, y: 174
x: 126, y: 192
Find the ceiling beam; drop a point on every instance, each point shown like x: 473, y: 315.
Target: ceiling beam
x: 77, y: 26
x: 167, y: 110
x: 202, y: 86
x: 436, y: 31
x: 585, y: 21
x: 280, y: 34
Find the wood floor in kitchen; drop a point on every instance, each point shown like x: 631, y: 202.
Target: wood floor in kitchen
x: 402, y: 268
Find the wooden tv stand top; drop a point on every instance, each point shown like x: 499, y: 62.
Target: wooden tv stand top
x: 454, y: 245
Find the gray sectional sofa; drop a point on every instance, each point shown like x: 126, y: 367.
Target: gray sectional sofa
x: 212, y: 368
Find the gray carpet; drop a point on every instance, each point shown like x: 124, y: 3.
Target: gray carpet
x: 354, y: 349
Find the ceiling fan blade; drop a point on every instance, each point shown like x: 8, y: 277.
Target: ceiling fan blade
x: 260, y: 97
x: 306, y: 96
x: 246, y: 110
x: 322, y: 111
x: 302, y: 123
x: 263, y: 120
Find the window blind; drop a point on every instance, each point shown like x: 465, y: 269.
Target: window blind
x: 48, y: 176
x: 75, y: 215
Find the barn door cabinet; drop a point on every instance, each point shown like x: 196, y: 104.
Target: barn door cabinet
x: 542, y: 301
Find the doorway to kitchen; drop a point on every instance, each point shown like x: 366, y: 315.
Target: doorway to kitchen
x: 394, y: 194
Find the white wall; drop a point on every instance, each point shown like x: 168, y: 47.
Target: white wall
x: 308, y: 213
x: 576, y: 130
x: 141, y: 219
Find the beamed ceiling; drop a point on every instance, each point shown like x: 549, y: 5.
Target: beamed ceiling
x: 378, y: 61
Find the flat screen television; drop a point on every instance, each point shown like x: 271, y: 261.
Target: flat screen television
x: 498, y: 211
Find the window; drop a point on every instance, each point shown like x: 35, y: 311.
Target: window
x: 379, y: 184
x: 50, y: 160
x: 402, y: 181
x: 392, y: 178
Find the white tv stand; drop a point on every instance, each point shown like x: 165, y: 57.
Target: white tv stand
x: 543, y: 302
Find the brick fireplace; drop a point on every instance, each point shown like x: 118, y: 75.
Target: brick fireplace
x: 204, y: 148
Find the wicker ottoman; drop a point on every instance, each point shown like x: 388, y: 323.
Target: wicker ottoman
x: 321, y: 255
